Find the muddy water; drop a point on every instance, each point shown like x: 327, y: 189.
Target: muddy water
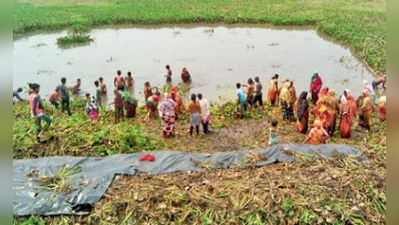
x: 217, y: 58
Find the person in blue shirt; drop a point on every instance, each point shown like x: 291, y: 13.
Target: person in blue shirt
x: 242, y: 100
x: 15, y: 94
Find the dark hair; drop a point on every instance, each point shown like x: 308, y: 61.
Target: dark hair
x: 167, y: 67
x: 193, y: 97
x: 96, y: 83
x: 129, y: 73
x: 87, y: 95
x: 19, y: 90
x: 79, y: 80
x: 34, y: 87
x: 119, y: 72
x: 238, y: 85
x: 101, y: 79
x: 250, y: 81
x: 257, y: 79
x: 63, y: 80
x: 274, y: 123
x: 199, y: 96
x: 276, y: 76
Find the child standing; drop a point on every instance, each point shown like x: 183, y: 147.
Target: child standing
x: 273, y: 134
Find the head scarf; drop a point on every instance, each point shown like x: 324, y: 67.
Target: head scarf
x: 174, y: 90
x: 383, y: 101
x: 368, y: 87
x: 332, y: 93
x: 285, y: 93
x: 118, y: 99
x: 303, y: 104
x: 318, y: 124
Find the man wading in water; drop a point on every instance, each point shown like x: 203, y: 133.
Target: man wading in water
x: 169, y: 75
x: 119, y: 81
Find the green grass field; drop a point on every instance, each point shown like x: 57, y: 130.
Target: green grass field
x: 360, y: 24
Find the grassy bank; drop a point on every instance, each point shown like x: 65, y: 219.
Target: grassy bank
x: 361, y: 24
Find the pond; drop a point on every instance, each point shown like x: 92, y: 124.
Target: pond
x: 217, y: 57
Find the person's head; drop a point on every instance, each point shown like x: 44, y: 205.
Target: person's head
x: 332, y: 93
x: 318, y: 124
x: 96, y: 83
x: 87, y: 96
x: 250, y: 81
x: 35, y: 88
x: 79, y: 81
x: 101, y: 80
x: 291, y: 83
x: 116, y: 92
x: 200, y: 96
x: 347, y: 92
x: 276, y: 76
x: 274, y: 123
x: 316, y: 73
x: 238, y: 85
x: 257, y: 80
x: 147, y: 84
x: 19, y: 90
x: 167, y: 67
x: 174, y: 90
x: 193, y: 97
x: 63, y: 80
x: 119, y: 73
x: 303, y: 95
x: 129, y: 74
x: 184, y: 70
x: 384, y: 77
x: 366, y: 93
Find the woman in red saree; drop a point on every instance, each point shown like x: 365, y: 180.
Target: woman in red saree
x: 353, y: 106
x: 346, y: 121
x: 315, y: 87
x: 383, y: 109
x: 303, y: 113
x: 174, y: 95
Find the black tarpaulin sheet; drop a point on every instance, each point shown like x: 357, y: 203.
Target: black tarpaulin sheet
x: 98, y: 173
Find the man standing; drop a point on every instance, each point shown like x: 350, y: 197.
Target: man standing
x: 168, y: 75
x: 130, y: 84
x: 36, y: 107
x: 119, y: 81
x: 104, y: 94
x: 64, y: 93
x: 205, y: 113
x: 258, y: 93
x: 242, y: 100
x: 15, y: 94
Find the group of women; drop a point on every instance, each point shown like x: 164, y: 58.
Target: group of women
x: 327, y: 108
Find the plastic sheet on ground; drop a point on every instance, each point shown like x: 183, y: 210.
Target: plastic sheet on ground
x: 97, y: 174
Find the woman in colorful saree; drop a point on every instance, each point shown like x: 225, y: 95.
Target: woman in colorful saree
x: 303, y: 113
x: 167, y: 113
x: 119, y: 113
x: 366, y: 110
x: 315, y: 87
x: 285, y: 99
x: 318, y: 135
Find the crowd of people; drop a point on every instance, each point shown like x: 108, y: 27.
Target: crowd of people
x: 319, y: 101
